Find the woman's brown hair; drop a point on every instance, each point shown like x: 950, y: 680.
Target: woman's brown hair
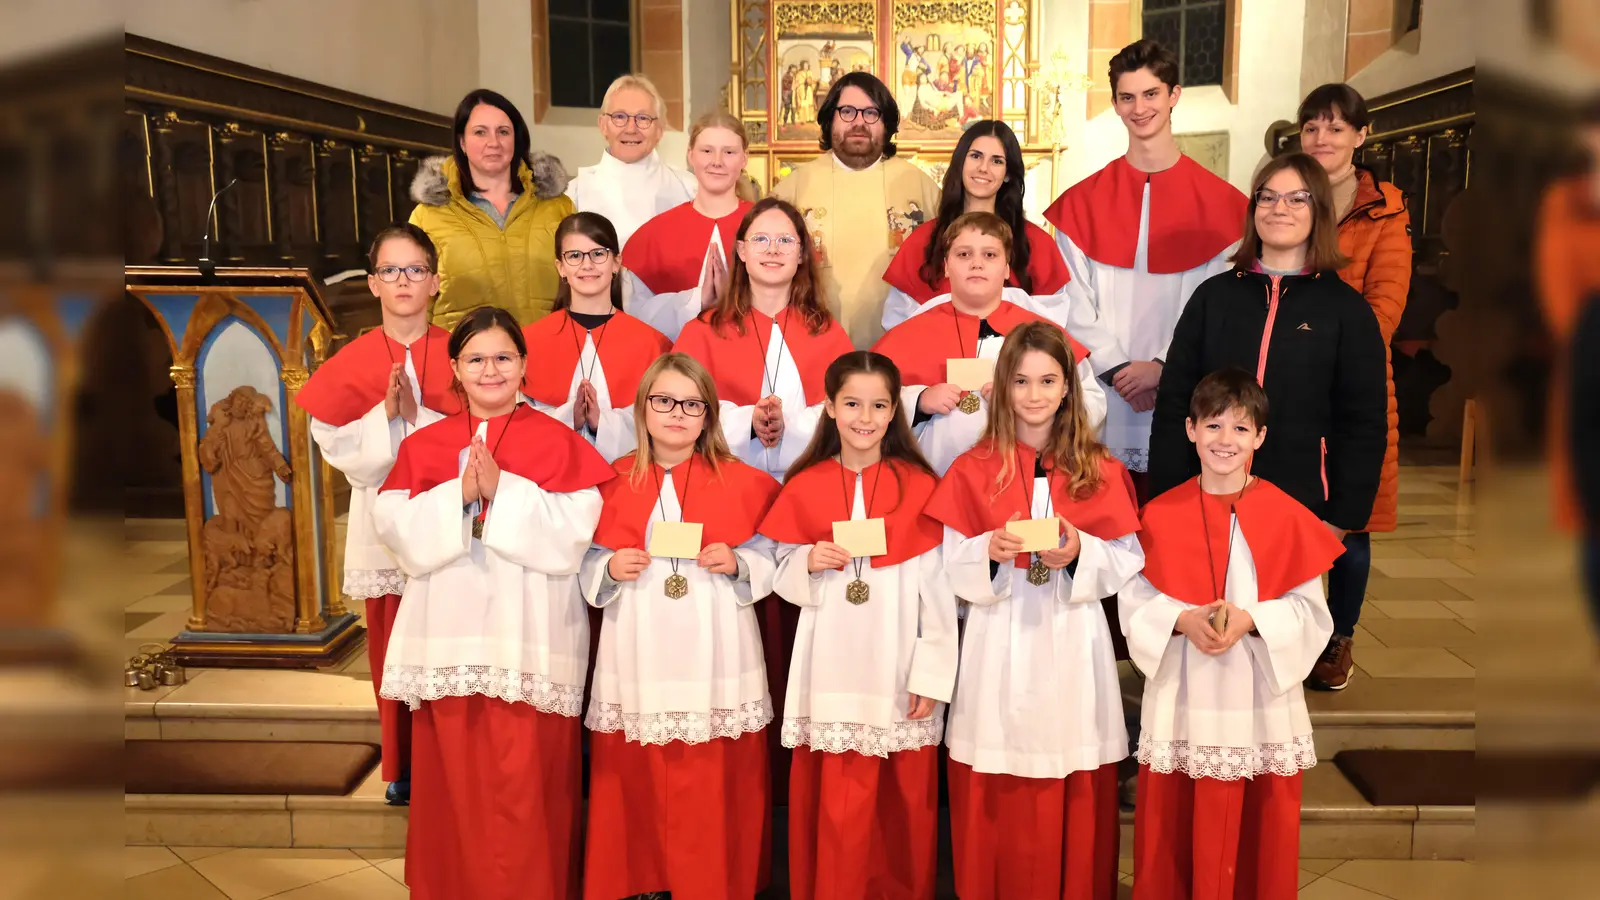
x: 710, y: 446
x: 805, y: 292
x: 1072, y: 445
x: 1322, y: 244
x: 899, y: 443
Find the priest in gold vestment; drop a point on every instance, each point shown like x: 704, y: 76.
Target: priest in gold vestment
x: 859, y: 201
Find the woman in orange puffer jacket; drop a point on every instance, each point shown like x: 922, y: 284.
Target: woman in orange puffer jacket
x: 1375, y: 233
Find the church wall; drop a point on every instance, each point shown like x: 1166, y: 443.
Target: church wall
x: 1446, y: 42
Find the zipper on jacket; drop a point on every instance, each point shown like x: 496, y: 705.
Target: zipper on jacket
x: 1273, y: 296
x: 1323, y: 464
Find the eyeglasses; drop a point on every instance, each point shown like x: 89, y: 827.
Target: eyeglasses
x: 870, y: 114
x: 663, y: 404
x: 391, y: 274
x: 621, y: 120
x: 783, y: 244
x: 502, y: 362
x: 1294, y: 199
x: 575, y: 258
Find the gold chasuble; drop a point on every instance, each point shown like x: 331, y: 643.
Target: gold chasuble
x: 858, y: 219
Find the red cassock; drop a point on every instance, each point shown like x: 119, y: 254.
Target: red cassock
x: 625, y: 345
x: 1046, y: 268
x: 496, y: 785
x: 735, y: 354
x: 1204, y: 838
x: 1194, y: 215
x: 668, y: 253
x: 340, y: 391
x: 693, y: 819
x: 921, y: 345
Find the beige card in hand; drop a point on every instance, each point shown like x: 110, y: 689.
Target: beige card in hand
x: 969, y: 374
x: 861, y: 537
x: 1037, y: 534
x: 675, y: 540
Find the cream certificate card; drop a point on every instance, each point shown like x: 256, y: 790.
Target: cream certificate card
x: 1037, y: 534
x: 969, y: 374
x: 675, y: 540
x: 861, y: 537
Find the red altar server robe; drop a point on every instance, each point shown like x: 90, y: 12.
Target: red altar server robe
x: 666, y: 259
x: 908, y: 292
x: 563, y: 354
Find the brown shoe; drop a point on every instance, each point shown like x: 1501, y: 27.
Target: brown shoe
x: 1332, y: 672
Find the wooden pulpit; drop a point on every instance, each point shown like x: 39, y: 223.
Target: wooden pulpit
x: 258, y: 497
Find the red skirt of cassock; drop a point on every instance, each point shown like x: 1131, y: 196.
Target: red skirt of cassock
x: 1035, y: 838
x: 394, y: 717
x: 693, y: 819
x: 494, y: 802
x: 863, y: 826
x: 1203, y: 839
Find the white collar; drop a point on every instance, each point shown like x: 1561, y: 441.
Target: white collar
x: 840, y: 163
x: 646, y: 167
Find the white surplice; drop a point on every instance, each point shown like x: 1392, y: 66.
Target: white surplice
x: 668, y: 311
x: 1037, y: 694
x: 614, y: 437
x: 1124, y: 315
x: 630, y: 194
x: 799, y: 420
x: 501, y: 617
x: 689, y: 669
x: 1237, y: 715
x: 854, y: 667
x: 365, y: 450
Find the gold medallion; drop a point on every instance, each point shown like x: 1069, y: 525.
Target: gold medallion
x: 969, y: 403
x: 677, y: 587
x: 477, y: 529
x: 857, y: 592
x: 1038, y: 574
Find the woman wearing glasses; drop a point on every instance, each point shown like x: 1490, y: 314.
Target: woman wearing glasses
x: 363, y: 402
x: 491, y: 208
x: 679, y: 795
x: 631, y: 184
x: 1312, y: 343
x: 591, y: 353
x: 678, y: 262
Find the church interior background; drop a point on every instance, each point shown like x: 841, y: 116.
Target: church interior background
x: 323, y: 132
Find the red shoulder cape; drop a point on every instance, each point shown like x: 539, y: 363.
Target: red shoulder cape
x: 922, y: 344
x: 729, y: 504
x: 813, y: 500
x: 669, y: 251
x: 1045, y: 265
x: 1194, y: 215
x: 1288, y: 544
x: 347, y: 386
x: 538, y: 448
x: 736, y: 361
x: 968, y: 501
x: 626, y: 347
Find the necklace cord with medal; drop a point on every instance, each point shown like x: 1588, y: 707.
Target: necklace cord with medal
x: 1038, y: 572
x: 969, y: 400
x: 422, y: 380
x: 598, y: 341
x: 677, y: 585
x: 483, y: 515
x: 769, y: 380
x: 858, y: 591
x: 1211, y: 562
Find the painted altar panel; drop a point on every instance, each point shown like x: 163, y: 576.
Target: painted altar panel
x: 815, y: 43
x: 944, y: 67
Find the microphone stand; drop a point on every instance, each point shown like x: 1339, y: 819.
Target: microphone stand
x: 208, y: 268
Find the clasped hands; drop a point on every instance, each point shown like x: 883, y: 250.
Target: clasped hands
x: 1137, y: 382
x: 481, y: 477
x: 1004, y: 546
x: 398, y: 401
x: 767, y: 420
x: 586, y: 408
x: 1196, y: 623
x: 628, y: 564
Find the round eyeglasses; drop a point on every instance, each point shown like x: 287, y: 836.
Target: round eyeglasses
x: 868, y: 114
x: 502, y: 361
x: 621, y: 120
x: 783, y: 244
x: 391, y: 274
x: 663, y: 404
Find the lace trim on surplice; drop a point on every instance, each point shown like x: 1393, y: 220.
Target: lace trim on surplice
x: 867, y: 740
x: 684, y: 727
x: 1228, y: 763
x: 414, y: 684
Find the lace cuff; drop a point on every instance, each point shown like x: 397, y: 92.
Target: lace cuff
x: 1228, y: 763
x: 415, y: 684
x: 1135, y: 460
x: 368, y: 584
x: 684, y: 727
x: 867, y: 740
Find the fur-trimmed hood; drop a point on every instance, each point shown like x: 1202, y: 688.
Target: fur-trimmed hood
x: 436, y: 180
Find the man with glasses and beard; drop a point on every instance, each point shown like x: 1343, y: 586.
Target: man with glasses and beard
x: 851, y: 194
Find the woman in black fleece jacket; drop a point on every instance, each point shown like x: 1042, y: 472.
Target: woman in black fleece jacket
x: 1323, y: 371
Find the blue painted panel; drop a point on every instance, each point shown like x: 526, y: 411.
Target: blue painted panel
x: 274, y: 310
x: 75, y: 310
x: 175, y: 310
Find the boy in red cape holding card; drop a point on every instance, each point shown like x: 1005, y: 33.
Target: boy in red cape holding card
x: 1225, y: 622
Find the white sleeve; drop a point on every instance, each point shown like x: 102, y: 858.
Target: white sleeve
x: 1294, y: 632
x: 666, y: 312
x: 615, y: 437
x: 1083, y: 311
x: 1094, y: 397
x: 1148, y: 617
x: 937, y: 650
x: 793, y: 580
x: 736, y: 428
x: 757, y: 555
x: 966, y: 565
x: 897, y: 307
x: 425, y: 532
x: 1104, y: 567
x: 541, y: 530
x: 562, y: 413
x: 910, y: 396
x: 592, y: 578
x: 1054, y: 307
x: 797, y: 430
x: 364, y: 450
x: 425, y: 417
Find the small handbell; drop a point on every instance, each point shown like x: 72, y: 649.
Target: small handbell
x: 147, y: 682
x: 130, y: 676
x: 171, y: 674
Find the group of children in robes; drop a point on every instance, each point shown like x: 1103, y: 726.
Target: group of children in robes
x: 509, y: 480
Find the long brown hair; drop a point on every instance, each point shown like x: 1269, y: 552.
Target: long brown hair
x: 1072, y: 445
x: 596, y: 228
x: 710, y: 446
x: 1322, y: 244
x: 898, y: 441
x: 805, y: 292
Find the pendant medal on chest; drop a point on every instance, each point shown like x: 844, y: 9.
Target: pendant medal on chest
x: 1038, y: 573
x: 857, y: 592
x: 677, y: 586
x: 969, y: 403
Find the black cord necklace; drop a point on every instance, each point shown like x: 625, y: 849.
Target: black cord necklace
x: 587, y: 373
x: 1038, y: 572
x: 858, y: 591
x: 969, y: 399
x: 677, y: 585
x: 482, y: 517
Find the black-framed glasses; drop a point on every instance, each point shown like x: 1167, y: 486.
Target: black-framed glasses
x: 1293, y: 199
x: 391, y: 274
x: 663, y: 404
x: 575, y: 258
x: 871, y: 114
x: 621, y: 120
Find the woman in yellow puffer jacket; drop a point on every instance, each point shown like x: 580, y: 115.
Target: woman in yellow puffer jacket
x: 492, y: 208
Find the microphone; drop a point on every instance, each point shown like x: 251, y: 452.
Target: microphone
x: 208, y: 269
